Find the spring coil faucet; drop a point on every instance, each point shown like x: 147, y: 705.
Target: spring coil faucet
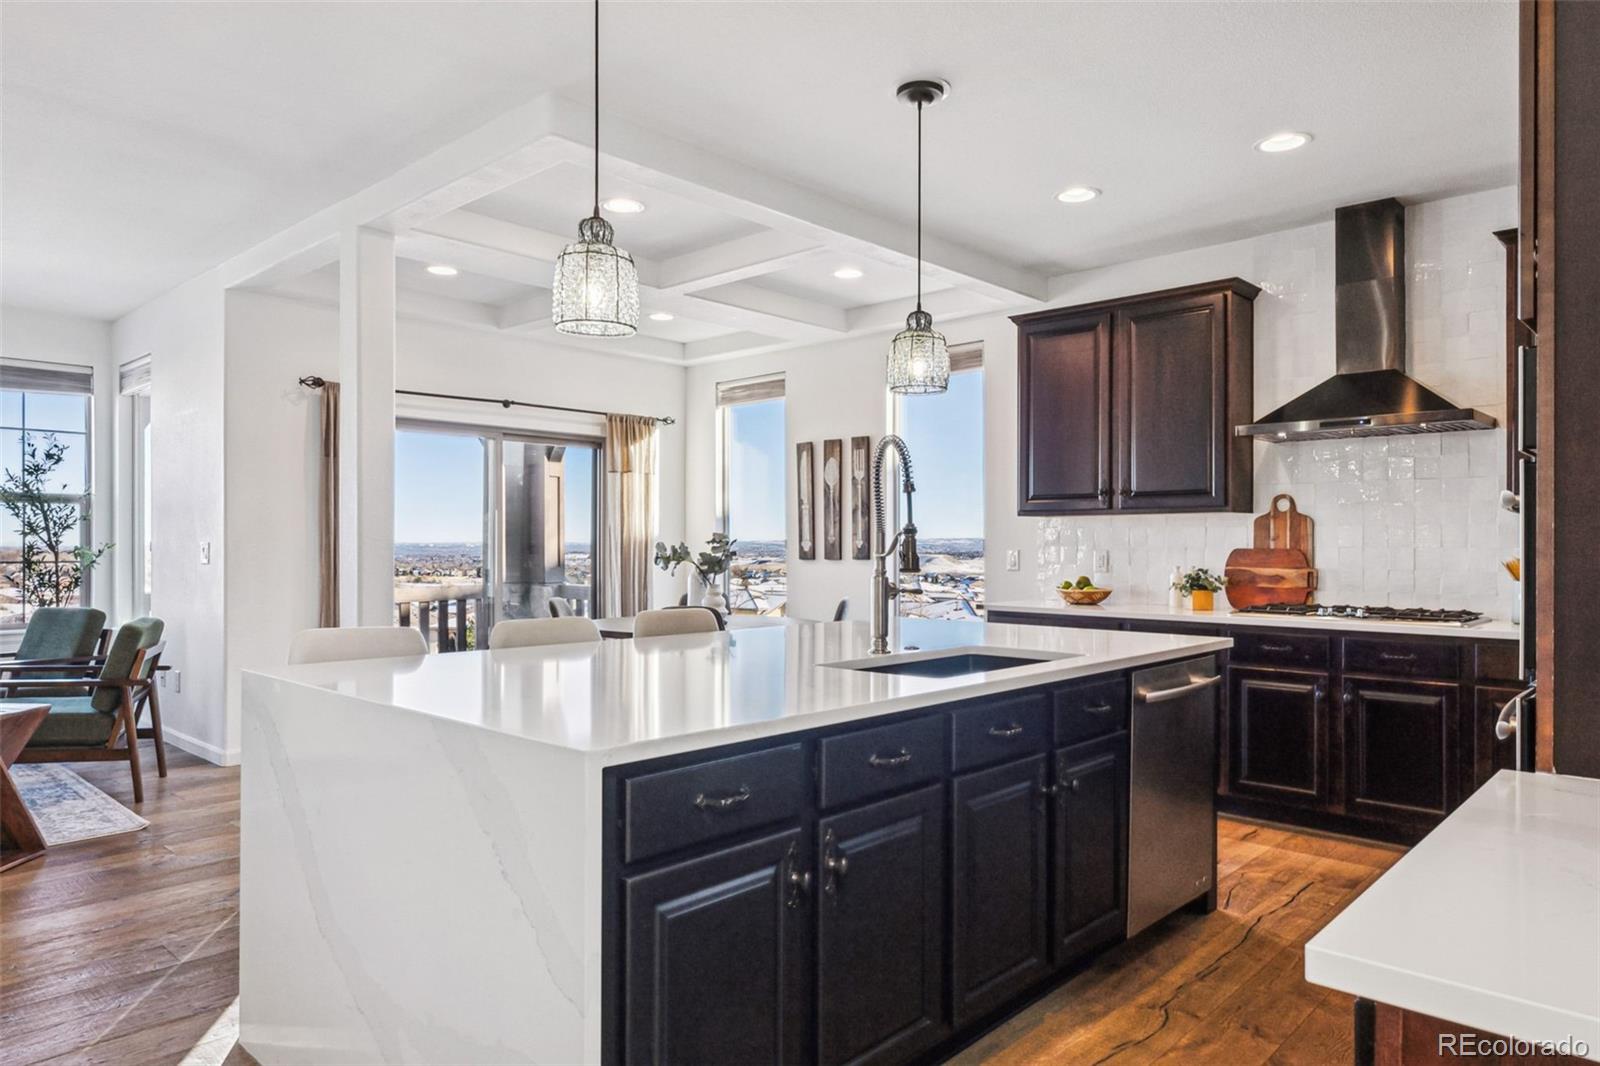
x: 883, y: 591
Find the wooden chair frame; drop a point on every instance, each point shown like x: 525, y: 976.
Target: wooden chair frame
x: 136, y: 694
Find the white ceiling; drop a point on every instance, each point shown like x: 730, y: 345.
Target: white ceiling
x: 147, y: 142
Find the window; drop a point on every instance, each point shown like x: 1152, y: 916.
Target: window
x: 45, y: 413
x: 134, y: 381
x: 752, y: 460
x: 944, y: 432
x: 490, y: 525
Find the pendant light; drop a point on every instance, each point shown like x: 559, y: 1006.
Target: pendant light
x: 919, y: 360
x: 596, y: 288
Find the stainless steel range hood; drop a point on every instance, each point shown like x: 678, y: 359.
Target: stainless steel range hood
x: 1371, y: 395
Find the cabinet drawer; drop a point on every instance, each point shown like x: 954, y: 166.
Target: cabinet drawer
x: 1300, y: 650
x: 674, y: 809
x: 1401, y: 658
x: 1001, y: 728
x: 1084, y: 712
x: 1495, y: 661
x: 871, y: 762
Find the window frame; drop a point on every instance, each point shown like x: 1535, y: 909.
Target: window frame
x: 740, y: 393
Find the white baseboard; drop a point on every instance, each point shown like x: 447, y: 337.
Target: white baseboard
x: 209, y: 752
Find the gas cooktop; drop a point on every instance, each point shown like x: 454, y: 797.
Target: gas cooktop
x: 1374, y: 614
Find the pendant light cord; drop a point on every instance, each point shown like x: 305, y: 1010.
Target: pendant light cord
x: 919, y: 204
x: 597, y: 109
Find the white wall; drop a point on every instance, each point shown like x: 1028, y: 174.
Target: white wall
x: 1397, y: 522
x: 273, y: 444
x: 47, y: 337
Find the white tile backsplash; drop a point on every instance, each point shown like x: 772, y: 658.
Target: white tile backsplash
x: 1405, y: 521
x: 1384, y: 531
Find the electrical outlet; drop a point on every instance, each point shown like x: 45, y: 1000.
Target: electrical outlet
x: 205, y: 553
x: 1102, y: 561
x: 1013, y: 560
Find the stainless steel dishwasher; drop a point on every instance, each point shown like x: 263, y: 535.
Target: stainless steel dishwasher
x: 1172, y: 814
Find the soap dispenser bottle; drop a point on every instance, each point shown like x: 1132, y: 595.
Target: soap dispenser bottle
x: 1174, y: 597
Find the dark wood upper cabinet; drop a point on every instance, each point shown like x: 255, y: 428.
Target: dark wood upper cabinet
x: 1129, y: 404
x: 1065, y: 381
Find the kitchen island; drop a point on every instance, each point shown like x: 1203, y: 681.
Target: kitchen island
x: 485, y: 856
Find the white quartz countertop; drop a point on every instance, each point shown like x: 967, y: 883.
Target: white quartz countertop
x: 1492, y: 921
x: 1488, y: 629
x: 634, y: 699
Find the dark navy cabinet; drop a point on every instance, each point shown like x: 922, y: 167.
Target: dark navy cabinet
x: 871, y: 893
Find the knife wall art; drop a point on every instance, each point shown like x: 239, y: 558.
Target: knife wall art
x: 860, y: 498
x: 805, y: 479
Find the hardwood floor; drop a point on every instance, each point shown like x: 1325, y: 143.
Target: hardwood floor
x: 126, y: 950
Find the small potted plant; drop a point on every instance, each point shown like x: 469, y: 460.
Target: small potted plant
x: 708, y: 565
x: 1201, y: 586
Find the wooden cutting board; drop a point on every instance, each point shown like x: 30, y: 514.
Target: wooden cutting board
x: 1283, y: 526
x: 1259, y: 576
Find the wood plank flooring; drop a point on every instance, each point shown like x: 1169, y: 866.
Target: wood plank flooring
x: 126, y: 950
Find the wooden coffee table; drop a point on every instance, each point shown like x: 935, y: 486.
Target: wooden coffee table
x: 20, y: 839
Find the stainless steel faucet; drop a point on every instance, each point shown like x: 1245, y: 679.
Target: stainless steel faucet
x: 883, y: 590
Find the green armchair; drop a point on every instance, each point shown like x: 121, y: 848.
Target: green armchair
x: 63, y: 633
x: 94, y: 719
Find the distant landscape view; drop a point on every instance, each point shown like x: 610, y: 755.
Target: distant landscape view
x: 952, y: 579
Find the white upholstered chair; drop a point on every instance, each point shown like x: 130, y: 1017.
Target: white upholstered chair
x: 355, y: 642
x: 673, y: 620
x: 533, y: 632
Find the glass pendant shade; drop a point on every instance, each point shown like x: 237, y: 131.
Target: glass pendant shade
x: 919, y: 360
x: 596, y: 289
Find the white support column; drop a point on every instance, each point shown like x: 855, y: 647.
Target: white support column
x: 366, y: 416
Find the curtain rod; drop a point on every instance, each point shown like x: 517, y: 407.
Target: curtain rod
x: 314, y: 382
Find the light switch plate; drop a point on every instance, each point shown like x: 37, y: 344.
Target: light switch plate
x: 1102, y: 561
x: 1013, y: 560
x: 205, y: 553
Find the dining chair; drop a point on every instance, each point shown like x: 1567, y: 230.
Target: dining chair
x: 843, y: 609
x: 534, y: 632
x: 560, y: 607
x: 672, y: 620
x: 89, y: 716
x: 349, y: 643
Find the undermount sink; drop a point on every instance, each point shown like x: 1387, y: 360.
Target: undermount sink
x: 952, y: 662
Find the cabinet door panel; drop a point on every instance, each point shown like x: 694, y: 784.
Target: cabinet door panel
x: 1091, y: 849
x: 716, y: 957
x: 1171, y: 405
x: 1399, y: 739
x: 1064, y: 394
x: 880, y: 930
x: 1278, y: 735
x: 998, y: 885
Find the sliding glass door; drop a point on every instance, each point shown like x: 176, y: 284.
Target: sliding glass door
x: 490, y: 525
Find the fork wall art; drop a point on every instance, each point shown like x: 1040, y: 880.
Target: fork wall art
x: 860, y: 498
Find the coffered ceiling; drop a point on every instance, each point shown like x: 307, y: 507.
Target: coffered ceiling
x: 145, y: 143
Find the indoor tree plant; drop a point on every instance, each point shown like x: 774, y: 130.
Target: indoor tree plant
x: 708, y: 565
x: 47, y: 572
x: 1201, y: 586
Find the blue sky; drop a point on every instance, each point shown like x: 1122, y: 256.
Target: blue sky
x: 439, y: 480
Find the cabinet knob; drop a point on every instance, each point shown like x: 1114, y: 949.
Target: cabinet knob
x: 797, y: 880
x: 1076, y: 785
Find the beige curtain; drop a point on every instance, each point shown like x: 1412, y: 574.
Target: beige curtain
x: 328, y: 510
x: 627, y: 538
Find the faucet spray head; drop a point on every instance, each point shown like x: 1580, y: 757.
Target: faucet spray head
x: 910, y: 564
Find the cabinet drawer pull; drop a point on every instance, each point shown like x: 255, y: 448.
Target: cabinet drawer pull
x: 1098, y: 708
x: 1281, y: 649
x: 1005, y: 732
x: 704, y: 802
x: 889, y: 762
x: 1397, y: 657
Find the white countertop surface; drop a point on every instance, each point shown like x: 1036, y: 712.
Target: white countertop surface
x: 633, y: 699
x: 1492, y: 921
x: 1489, y: 629
x: 623, y: 626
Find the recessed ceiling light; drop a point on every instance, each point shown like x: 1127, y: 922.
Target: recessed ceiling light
x: 1287, y: 141
x: 622, y: 205
x: 1078, y: 194
x: 847, y: 273
x: 661, y: 316
x: 441, y: 270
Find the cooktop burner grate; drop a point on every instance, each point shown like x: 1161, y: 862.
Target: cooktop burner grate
x: 1434, y: 615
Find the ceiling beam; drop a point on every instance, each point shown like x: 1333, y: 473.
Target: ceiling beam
x: 735, y: 260
x: 524, y: 311
x: 745, y: 296
x: 944, y: 304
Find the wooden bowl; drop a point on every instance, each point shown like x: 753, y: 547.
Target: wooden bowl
x: 1083, y: 597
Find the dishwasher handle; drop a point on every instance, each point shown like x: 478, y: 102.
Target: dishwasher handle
x: 1162, y: 695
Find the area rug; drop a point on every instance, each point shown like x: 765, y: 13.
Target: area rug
x: 68, y: 808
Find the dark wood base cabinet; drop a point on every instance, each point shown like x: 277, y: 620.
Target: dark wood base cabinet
x: 1373, y: 735
x: 875, y: 893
